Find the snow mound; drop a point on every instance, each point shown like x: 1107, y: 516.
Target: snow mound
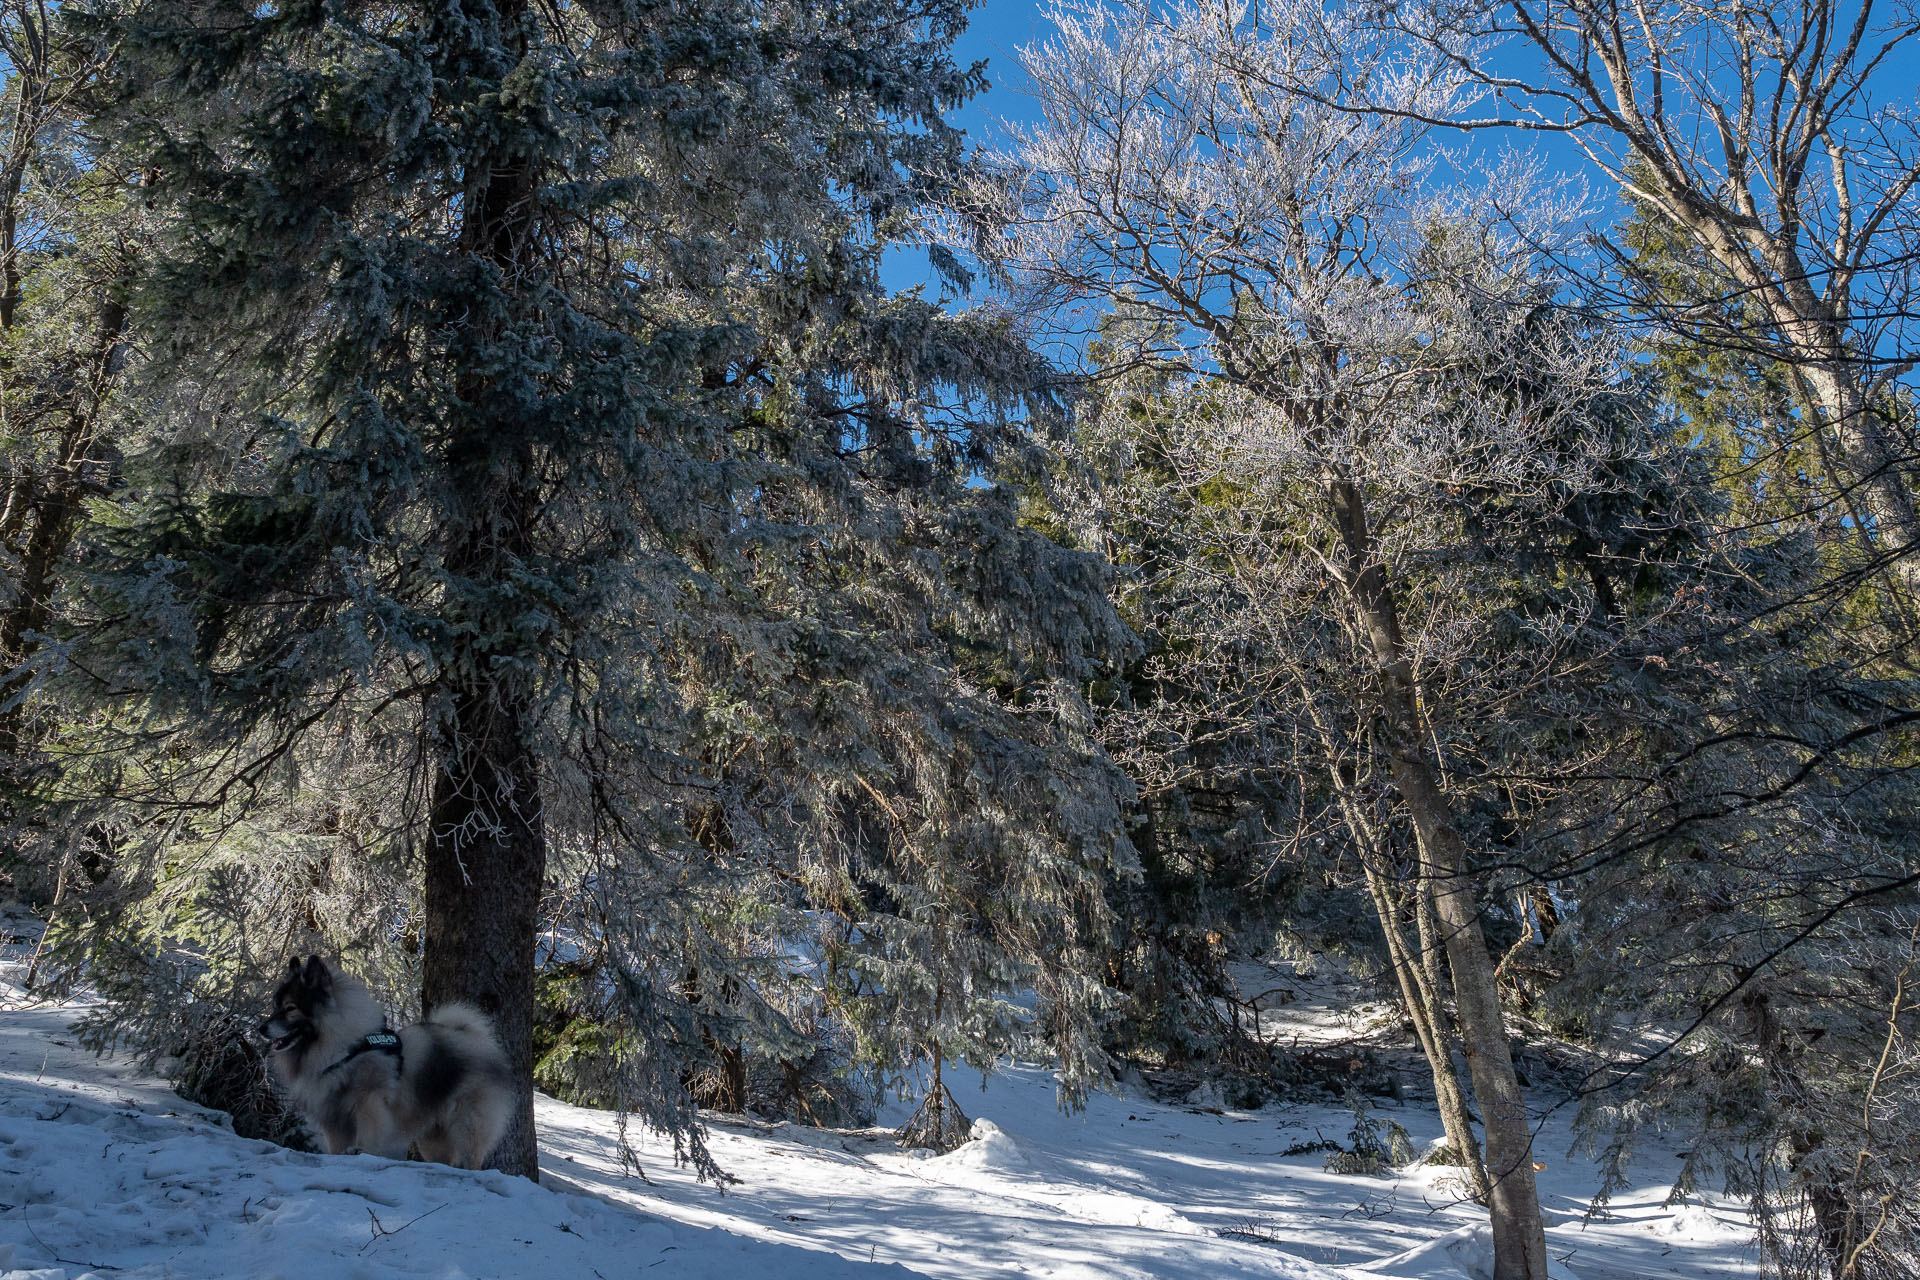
x: 1467, y: 1252
x: 1208, y: 1096
x: 123, y: 1195
x: 1686, y: 1221
x: 991, y: 1158
x: 989, y: 1149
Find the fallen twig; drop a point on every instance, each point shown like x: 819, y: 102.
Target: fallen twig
x: 380, y: 1232
x: 70, y: 1262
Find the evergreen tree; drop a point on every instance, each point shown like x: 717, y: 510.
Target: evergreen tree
x: 68, y: 236
x: 542, y: 453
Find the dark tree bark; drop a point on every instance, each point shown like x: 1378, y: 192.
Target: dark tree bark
x: 54, y: 502
x: 725, y: 1087
x: 50, y: 509
x: 41, y: 510
x: 486, y: 849
x: 26, y: 41
x: 1838, y: 1225
x: 485, y: 864
x: 1544, y: 911
x: 486, y: 854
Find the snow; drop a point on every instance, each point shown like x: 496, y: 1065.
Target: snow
x: 1465, y: 1252
x: 104, y: 1172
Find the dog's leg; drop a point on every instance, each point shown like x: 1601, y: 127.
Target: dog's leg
x: 435, y: 1145
x: 478, y: 1121
x: 377, y: 1131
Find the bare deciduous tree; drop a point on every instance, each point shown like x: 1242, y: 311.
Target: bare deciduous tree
x: 1772, y: 135
x: 1279, y: 256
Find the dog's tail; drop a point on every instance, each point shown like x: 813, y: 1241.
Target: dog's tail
x: 463, y: 1019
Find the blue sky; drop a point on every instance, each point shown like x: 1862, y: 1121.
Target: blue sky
x: 995, y: 31
x: 998, y: 29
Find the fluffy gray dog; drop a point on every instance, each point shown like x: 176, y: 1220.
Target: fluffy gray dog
x: 440, y: 1086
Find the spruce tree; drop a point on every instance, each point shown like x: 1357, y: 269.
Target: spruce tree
x: 537, y: 430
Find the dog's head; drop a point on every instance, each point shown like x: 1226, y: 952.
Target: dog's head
x: 297, y: 1005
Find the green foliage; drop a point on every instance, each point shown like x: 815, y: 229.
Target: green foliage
x: 1732, y: 404
x: 571, y: 1047
x: 1375, y: 1148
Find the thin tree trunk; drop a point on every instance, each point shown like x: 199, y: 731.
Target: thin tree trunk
x: 54, y: 502
x: 1429, y: 934
x: 1544, y: 911
x: 733, y: 1064
x: 46, y: 929
x: 1429, y: 1025
x: 727, y: 1089
x: 56, y: 509
x: 1424, y: 1007
x: 30, y: 95
x: 1519, y: 1238
x: 1835, y: 1216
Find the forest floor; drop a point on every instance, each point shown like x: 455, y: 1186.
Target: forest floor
x: 106, y: 1172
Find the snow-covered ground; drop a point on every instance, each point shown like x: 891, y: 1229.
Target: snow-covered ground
x: 105, y: 1172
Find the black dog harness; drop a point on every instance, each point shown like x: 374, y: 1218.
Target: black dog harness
x: 378, y: 1042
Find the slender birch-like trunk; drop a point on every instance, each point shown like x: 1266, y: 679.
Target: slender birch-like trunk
x: 1519, y: 1238
x: 1431, y: 1025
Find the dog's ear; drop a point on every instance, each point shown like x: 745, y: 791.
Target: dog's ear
x: 293, y: 966
x: 316, y: 975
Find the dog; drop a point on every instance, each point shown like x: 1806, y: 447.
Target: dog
x: 440, y: 1087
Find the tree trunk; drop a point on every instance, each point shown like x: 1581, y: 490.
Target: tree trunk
x: 486, y: 849
x: 1825, y: 373
x: 1541, y: 899
x: 485, y: 864
x: 1837, y: 1227
x: 24, y: 125
x: 1519, y: 1239
x: 1422, y: 998
x: 726, y: 1088
x: 1429, y: 935
x: 53, y: 501
x: 29, y: 116
x: 1429, y: 1025
x: 55, y: 507
x: 1872, y: 479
